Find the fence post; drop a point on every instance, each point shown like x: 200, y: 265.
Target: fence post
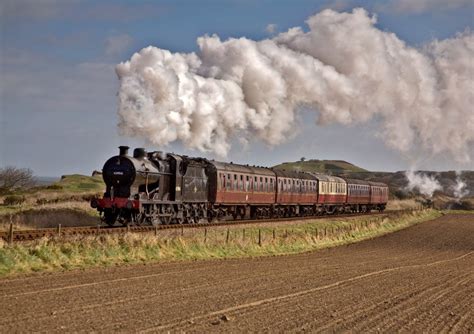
x: 59, y: 230
x: 227, y: 237
x: 10, y: 234
x: 243, y: 234
x: 274, y: 234
x: 182, y: 230
x: 205, y: 235
x: 156, y: 231
x: 286, y: 233
x: 259, y: 237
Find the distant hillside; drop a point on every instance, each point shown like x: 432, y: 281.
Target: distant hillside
x: 321, y: 166
x: 45, y: 180
x: 396, y: 181
x: 79, y: 183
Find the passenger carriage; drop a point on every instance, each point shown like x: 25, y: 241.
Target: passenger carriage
x: 332, y: 192
x: 297, y: 193
x: 378, y: 196
x: 358, y: 195
x: 241, y: 190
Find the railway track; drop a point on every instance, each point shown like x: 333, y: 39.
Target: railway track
x: 33, y: 234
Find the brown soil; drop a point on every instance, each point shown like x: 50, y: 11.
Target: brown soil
x: 420, y: 279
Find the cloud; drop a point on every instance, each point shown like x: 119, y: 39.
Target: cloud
x: 338, y: 5
x: 114, y: 45
x: 271, y: 28
x: 421, y: 6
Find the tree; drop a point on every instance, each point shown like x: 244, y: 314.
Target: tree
x: 15, y: 178
x: 303, y: 159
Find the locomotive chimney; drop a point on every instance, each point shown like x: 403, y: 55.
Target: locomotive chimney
x: 123, y: 150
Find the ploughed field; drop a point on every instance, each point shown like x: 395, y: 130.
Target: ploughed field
x: 420, y: 279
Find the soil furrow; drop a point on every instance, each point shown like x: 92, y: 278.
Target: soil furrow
x: 408, y: 281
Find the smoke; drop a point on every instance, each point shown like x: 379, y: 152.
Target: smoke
x: 460, y: 188
x: 344, y: 68
x: 425, y: 184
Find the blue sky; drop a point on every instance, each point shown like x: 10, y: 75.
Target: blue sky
x: 58, y: 87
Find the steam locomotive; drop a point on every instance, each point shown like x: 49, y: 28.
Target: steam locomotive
x: 155, y: 188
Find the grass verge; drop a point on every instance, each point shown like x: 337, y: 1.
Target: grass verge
x: 83, y: 252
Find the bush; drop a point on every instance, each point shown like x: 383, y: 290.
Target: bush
x: 14, y: 200
x: 462, y: 205
x: 41, y: 201
x: 400, y: 194
x: 54, y: 187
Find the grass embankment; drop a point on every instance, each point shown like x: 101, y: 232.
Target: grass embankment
x: 82, y: 252
x: 46, y: 206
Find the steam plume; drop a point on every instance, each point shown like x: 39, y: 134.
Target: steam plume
x: 460, y: 188
x: 343, y: 67
x: 425, y: 184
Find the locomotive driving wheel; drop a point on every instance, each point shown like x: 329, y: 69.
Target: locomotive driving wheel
x: 110, y: 217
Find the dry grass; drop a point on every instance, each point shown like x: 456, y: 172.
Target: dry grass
x: 403, y: 204
x: 81, y: 252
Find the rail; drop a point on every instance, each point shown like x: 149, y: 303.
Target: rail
x: 13, y: 235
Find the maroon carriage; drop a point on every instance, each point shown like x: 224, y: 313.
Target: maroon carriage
x: 296, y: 188
x: 358, y: 195
x: 378, y: 195
x: 241, y: 190
x: 297, y: 193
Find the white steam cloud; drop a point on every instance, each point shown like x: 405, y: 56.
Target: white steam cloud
x: 425, y: 184
x: 344, y: 68
x: 460, y: 188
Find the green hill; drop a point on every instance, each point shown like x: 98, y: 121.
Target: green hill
x: 79, y: 183
x: 321, y: 166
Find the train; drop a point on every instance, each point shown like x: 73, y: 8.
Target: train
x: 153, y: 188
